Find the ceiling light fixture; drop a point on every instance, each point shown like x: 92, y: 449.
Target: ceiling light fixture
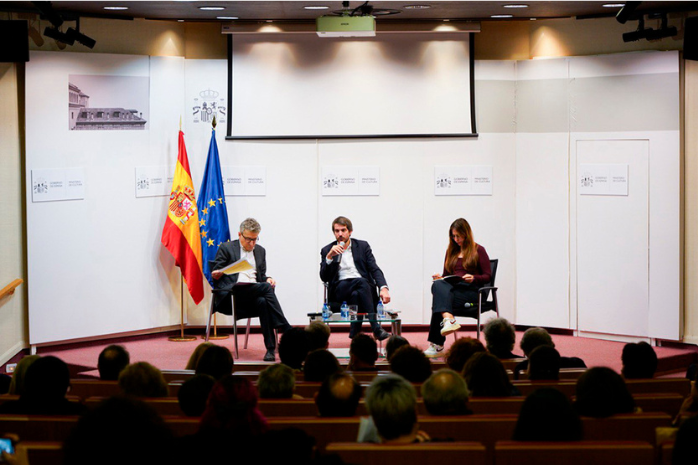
x: 613, y: 5
x: 226, y: 17
x: 316, y: 7
x: 417, y: 7
x: 116, y: 8
x: 211, y: 8
x: 501, y: 16
x: 516, y: 5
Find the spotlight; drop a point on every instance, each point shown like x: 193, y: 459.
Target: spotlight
x: 54, y: 33
x: 80, y: 37
x: 664, y: 31
x: 47, y: 11
x: 626, y: 12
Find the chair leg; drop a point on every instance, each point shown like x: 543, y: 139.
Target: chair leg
x: 208, y: 323
x: 496, y: 305
x: 247, y: 334
x: 235, y: 327
x: 479, y: 312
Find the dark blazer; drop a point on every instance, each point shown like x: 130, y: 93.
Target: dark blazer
x: 364, y: 261
x: 229, y: 252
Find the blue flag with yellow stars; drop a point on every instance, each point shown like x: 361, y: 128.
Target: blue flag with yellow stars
x: 213, y: 215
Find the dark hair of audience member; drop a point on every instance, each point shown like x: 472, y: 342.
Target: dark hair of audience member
x: 193, y: 393
x: 639, y: 361
x: 47, y: 380
x: 461, y: 351
x: 17, y: 383
x: 534, y: 337
x: 232, y: 410
x: 392, y: 403
x: 411, y: 363
x: 684, y: 452
x: 216, y: 361
x: 318, y: 335
x: 393, y: 344
x: 544, y: 364
x: 277, y: 381
x: 141, y: 379
x: 338, y: 396
x: 294, y: 347
x: 486, y: 377
x: 601, y: 392
x: 196, y: 355
x: 445, y: 393
x: 547, y: 415
x: 120, y: 430
x: 500, y: 337
x: 111, y: 361
x: 363, y: 353
x: 319, y: 364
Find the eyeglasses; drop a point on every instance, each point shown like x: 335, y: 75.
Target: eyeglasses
x: 250, y: 239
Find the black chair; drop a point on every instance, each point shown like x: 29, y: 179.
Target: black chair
x: 483, y: 304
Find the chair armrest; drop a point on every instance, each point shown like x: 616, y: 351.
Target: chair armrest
x: 487, y: 288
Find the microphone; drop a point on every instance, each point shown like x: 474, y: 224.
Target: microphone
x: 339, y: 259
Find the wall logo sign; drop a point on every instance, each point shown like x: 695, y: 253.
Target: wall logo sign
x: 40, y: 186
x: 330, y: 182
x: 207, y: 105
x: 143, y: 183
x: 587, y: 180
x: 443, y: 181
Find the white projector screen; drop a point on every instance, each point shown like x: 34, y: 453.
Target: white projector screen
x: 394, y: 85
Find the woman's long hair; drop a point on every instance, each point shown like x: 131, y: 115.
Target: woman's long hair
x: 469, y: 249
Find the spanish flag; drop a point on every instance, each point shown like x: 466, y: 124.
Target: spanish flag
x: 181, y: 234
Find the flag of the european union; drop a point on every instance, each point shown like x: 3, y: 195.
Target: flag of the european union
x: 213, y: 215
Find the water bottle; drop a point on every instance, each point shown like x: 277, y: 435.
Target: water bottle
x: 326, y: 313
x: 380, y: 309
x: 344, y: 311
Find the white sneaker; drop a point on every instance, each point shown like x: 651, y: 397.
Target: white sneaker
x: 449, y: 327
x: 433, y: 350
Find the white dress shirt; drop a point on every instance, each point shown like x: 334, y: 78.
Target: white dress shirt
x: 249, y: 276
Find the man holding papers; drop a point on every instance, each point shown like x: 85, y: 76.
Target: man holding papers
x: 253, y: 288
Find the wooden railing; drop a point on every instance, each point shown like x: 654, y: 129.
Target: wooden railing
x: 10, y: 288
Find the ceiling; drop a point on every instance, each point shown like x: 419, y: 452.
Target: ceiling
x: 295, y: 11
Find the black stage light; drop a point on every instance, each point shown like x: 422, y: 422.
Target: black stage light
x: 54, y: 33
x: 47, y: 11
x: 627, y: 11
x: 690, y: 39
x: 80, y: 37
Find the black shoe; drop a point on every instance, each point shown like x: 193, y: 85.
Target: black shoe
x: 382, y: 335
x: 269, y: 356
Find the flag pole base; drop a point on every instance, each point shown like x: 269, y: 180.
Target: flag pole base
x: 181, y: 338
x: 213, y: 337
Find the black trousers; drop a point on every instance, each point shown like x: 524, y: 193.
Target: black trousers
x: 360, y: 292
x: 451, y: 299
x: 258, y: 300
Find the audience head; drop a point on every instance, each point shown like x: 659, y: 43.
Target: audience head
x: 601, y: 392
x: 486, y: 376
x: 500, y: 337
x: 18, y: 377
x: 193, y: 393
x: 196, y: 355
x: 294, y: 347
x: 534, y: 337
x: 544, y: 364
x: 363, y: 352
x: 338, y: 396
x: 141, y: 379
x: 445, y: 393
x: 461, y: 351
x: 216, y: 361
x: 116, y: 427
x: 639, y: 361
x: 232, y: 408
x: 392, y: 403
x: 393, y: 344
x: 547, y: 415
x: 47, y: 380
x: 411, y: 363
x: 276, y: 382
x: 319, y: 364
x: 318, y: 335
x: 112, y: 360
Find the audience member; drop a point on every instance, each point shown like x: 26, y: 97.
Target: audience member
x: 46, y: 384
x: 338, y: 396
x: 639, y: 361
x: 5, y: 381
x: 461, y: 351
x: 319, y: 335
x: 547, y: 415
x: 690, y: 403
x: 684, y: 452
x: 411, y: 363
x: 193, y: 394
x: 393, y: 344
x: 196, y: 355
x: 17, y: 383
x: 111, y: 361
x: 544, y: 364
x: 446, y: 393
x: 392, y: 403
x: 216, y: 361
x: 294, y: 347
x: 277, y: 381
x: 363, y: 353
x: 319, y: 364
x: 141, y: 379
x: 601, y: 392
x: 534, y: 337
x: 500, y: 336
x: 121, y: 430
x: 486, y: 377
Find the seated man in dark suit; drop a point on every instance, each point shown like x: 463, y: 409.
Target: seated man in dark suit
x: 350, y: 269
x: 253, y: 288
